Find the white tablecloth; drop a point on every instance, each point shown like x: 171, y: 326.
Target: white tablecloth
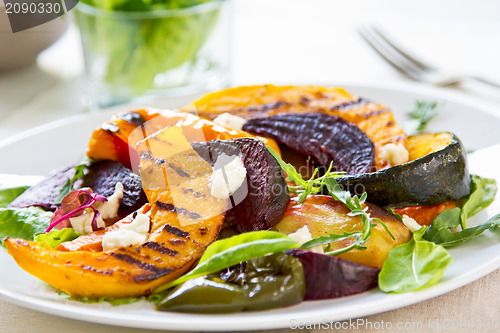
x: 292, y: 41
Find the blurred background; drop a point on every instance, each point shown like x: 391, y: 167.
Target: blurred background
x: 282, y: 41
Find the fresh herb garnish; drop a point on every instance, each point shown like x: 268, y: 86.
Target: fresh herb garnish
x: 315, y: 185
x: 231, y: 251
x: 420, y: 115
x: 415, y: 265
x: 303, y: 187
x: 68, y: 186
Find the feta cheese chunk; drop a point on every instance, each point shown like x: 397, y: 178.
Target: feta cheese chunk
x: 133, y: 233
x: 109, y: 209
x: 229, y: 173
x: 230, y: 121
x: 83, y: 224
x: 303, y: 235
x: 395, y: 154
x: 410, y: 223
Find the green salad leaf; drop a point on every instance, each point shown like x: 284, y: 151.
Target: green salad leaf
x: 415, y: 265
x: 234, y: 250
x: 483, y: 191
x: 7, y: 195
x: 23, y: 223
x: 442, y: 230
x: 132, y: 50
x: 56, y: 237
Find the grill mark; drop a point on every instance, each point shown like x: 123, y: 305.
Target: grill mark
x: 150, y: 277
x: 92, y: 269
x: 203, y: 231
x: 183, y: 211
x: 175, y: 231
x: 179, y: 171
x: 157, y: 160
x: 159, y: 248
x: 149, y: 267
x: 347, y: 105
x: 262, y: 107
x: 375, y: 113
x: 193, y: 192
x: 177, y: 242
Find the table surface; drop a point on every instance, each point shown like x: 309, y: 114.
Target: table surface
x: 293, y: 41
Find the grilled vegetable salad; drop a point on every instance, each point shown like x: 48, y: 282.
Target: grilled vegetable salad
x: 272, y: 195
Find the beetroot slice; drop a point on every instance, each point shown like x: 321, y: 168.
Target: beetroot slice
x: 101, y: 177
x: 260, y: 204
x: 326, y: 138
x: 332, y: 277
x: 44, y: 193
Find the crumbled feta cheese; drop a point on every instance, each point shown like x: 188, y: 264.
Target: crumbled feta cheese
x: 302, y: 236
x: 395, y: 154
x: 83, y: 224
x: 229, y: 173
x: 230, y: 121
x: 107, y: 210
x: 410, y: 223
x: 133, y: 233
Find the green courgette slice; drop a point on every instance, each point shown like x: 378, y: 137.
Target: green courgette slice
x: 436, y: 177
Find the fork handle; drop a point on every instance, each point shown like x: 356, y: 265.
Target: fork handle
x: 485, y: 81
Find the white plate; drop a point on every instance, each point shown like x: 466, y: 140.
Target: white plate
x: 57, y: 144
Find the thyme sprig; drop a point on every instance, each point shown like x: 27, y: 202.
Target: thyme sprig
x: 354, y: 203
x: 304, y: 187
x: 420, y: 115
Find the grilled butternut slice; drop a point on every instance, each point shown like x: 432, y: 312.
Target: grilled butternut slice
x: 182, y: 226
x: 374, y: 119
x: 116, y: 139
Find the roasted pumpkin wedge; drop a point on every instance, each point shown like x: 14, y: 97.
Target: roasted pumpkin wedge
x: 248, y: 102
x: 182, y: 226
x: 437, y: 174
x: 323, y: 215
x: 116, y: 139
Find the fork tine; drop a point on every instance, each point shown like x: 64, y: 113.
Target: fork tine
x: 392, y: 57
x: 390, y: 41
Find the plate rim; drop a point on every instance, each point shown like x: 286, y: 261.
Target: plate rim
x: 154, y: 322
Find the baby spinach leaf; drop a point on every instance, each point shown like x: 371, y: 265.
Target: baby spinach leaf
x: 7, y: 195
x: 23, y: 223
x: 56, y: 237
x: 483, y: 191
x: 415, y: 265
x: 231, y: 251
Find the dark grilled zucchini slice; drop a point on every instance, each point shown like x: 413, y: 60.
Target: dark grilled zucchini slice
x: 437, y: 172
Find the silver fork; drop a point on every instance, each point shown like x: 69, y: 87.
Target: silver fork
x: 410, y: 66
